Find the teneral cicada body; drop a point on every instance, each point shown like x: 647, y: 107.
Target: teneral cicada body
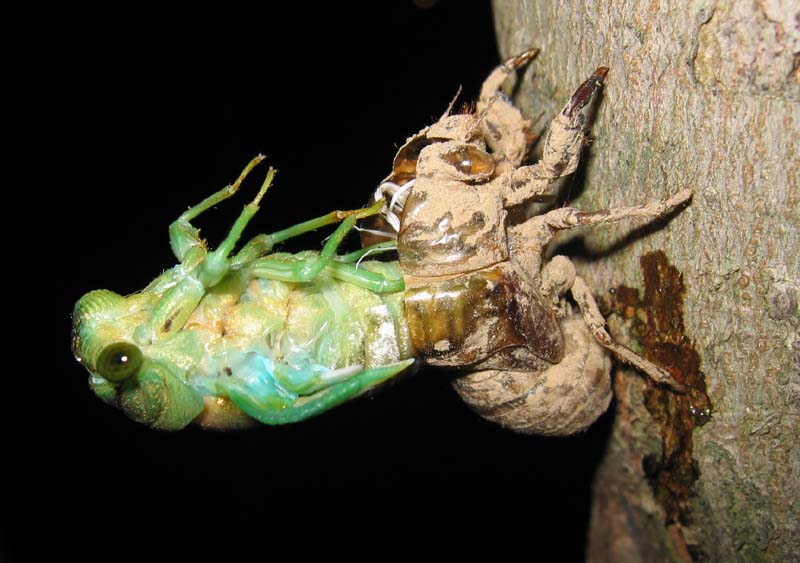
x: 223, y: 339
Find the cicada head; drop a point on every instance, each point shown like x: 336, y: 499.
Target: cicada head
x: 145, y: 381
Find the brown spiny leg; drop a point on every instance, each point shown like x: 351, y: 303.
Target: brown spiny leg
x: 527, y: 241
x: 597, y: 325
x: 562, y: 148
x: 502, y: 124
x: 558, y: 275
x: 569, y: 217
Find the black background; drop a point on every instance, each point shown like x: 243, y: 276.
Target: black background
x: 131, y: 120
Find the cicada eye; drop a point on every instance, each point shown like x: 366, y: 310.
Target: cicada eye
x: 470, y: 160
x: 119, y: 361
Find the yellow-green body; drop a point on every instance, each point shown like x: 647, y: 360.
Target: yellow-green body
x: 222, y: 340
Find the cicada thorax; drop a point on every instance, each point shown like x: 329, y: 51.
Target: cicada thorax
x: 449, y: 228
x: 453, y: 220
x: 486, y: 318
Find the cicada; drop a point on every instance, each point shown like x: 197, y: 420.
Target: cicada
x: 230, y: 335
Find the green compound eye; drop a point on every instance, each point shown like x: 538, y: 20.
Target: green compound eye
x: 119, y: 361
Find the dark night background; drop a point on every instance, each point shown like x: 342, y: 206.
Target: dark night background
x: 137, y: 118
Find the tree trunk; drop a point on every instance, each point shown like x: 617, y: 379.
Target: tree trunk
x: 703, y: 95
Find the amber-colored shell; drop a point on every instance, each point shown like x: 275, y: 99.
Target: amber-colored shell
x: 465, y: 320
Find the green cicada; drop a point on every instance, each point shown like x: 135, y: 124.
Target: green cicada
x: 279, y: 337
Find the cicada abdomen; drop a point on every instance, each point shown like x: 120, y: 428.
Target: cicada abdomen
x: 481, y: 319
x: 553, y: 399
x: 519, y: 365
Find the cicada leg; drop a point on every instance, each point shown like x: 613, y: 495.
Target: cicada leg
x: 217, y: 262
x: 188, y: 246
x: 261, y: 245
x: 307, y: 267
x: 373, y: 281
x: 207, y: 268
x: 597, y: 326
x: 503, y: 126
x: 185, y: 237
x: 558, y: 276
x: 529, y: 239
x: 561, y: 152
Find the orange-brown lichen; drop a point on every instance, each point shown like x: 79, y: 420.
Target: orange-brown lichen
x: 657, y: 323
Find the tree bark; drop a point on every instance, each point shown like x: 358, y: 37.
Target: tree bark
x: 702, y: 94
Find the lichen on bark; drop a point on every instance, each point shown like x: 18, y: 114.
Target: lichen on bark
x: 700, y: 94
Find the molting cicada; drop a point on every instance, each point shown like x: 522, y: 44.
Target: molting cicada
x: 227, y: 337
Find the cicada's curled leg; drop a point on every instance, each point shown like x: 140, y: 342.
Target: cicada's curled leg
x: 562, y: 148
x: 502, y: 124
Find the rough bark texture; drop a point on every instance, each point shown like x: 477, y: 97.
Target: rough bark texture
x: 705, y: 95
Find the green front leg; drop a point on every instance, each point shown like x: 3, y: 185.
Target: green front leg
x: 307, y: 267
x: 261, y: 245
x: 183, y: 236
